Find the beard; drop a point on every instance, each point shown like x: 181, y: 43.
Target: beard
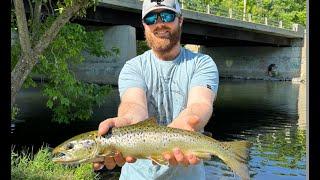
x: 163, y: 39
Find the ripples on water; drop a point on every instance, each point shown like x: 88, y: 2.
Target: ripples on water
x: 264, y: 113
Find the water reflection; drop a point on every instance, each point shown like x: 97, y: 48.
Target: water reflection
x: 268, y: 114
x: 279, y: 153
x: 302, y: 106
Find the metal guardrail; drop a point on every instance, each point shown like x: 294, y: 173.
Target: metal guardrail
x: 238, y: 15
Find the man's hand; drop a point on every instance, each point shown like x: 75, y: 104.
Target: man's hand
x: 189, y: 122
x: 177, y: 157
x: 118, y: 159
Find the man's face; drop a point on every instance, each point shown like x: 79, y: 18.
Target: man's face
x: 163, y: 36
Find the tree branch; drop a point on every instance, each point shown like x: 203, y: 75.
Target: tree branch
x: 31, y: 9
x: 29, y: 59
x: 36, y: 20
x: 22, y: 28
x: 54, y: 29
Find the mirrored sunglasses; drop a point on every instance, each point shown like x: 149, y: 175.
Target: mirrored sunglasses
x: 165, y: 16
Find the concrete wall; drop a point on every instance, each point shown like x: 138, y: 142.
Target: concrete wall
x: 236, y: 62
x: 253, y: 62
x: 303, y: 73
x: 106, y: 70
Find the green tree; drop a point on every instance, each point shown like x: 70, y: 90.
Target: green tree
x: 50, y: 47
x: 33, y: 46
x: 286, y: 10
x: 141, y: 47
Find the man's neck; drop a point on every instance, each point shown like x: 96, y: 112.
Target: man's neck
x: 168, y: 55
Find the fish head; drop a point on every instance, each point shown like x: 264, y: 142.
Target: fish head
x: 81, y: 148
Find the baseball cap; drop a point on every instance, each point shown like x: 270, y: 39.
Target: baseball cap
x: 150, y: 5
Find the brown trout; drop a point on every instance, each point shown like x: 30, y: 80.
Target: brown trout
x: 148, y: 140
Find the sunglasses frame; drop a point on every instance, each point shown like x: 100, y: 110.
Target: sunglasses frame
x: 159, y: 15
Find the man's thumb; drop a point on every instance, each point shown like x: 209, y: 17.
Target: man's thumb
x: 104, y: 126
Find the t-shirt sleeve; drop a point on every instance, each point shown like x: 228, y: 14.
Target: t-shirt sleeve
x: 206, y: 74
x: 130, y: 76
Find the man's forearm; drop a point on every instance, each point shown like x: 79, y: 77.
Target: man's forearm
x: 202, y: 110
x: 132, y: 111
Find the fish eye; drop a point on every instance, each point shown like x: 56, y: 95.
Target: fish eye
x: 70, y: 146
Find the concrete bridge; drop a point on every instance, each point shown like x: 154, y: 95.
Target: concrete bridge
x: 241, y: 49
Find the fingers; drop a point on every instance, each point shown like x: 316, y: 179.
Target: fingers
x: 105, y: 125
x: 171, y: 159
x: 119, y: 159
x: 97, y: 166
x: 130, y: 159
x: 109, y: 163
x: 180, y: 158
x: 177, y: 157
x: 193, y: 159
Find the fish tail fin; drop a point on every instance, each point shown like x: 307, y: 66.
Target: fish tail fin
x: 235, y: 155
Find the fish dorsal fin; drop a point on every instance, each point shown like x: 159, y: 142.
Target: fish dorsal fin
x: 148, y: 122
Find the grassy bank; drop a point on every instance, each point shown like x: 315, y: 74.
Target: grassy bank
x: 26, y: 166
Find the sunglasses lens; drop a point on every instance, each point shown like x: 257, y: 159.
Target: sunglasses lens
x: 167, y: 16
x: 150, y: 18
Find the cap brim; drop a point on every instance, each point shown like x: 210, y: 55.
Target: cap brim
x: 159, y: 7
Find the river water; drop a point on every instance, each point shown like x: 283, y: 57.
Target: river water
x: 269, y: 114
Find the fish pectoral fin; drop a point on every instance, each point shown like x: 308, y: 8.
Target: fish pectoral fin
x: 99, y: 158
x: 158, y: 160
x: 107, y: 153
x: 202, y: 155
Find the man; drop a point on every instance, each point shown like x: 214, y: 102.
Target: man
x: 168, y: 82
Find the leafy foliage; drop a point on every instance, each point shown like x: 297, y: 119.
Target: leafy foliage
x: 141, y: 47
x: 14, y: 112
x: 286, y: 10
x: 62, y: 4
x: 39, y: 166
x: 69, y: 98
x: 287, y: 152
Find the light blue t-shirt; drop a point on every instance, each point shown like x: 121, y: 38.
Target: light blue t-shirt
x: 167, y: 84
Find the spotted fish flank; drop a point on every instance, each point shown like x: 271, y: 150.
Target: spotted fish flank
x: 148, y: 140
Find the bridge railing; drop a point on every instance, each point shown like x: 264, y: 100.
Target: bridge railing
x: 234, y: 14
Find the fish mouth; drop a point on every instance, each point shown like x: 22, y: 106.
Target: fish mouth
x: 66, y: 158
x: 59, y: 156
x: 63, y: 157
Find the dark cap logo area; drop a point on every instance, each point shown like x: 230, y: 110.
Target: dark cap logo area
x: 158, y: 1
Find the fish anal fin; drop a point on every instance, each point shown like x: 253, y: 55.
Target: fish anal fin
x: 158, y: 160
x: 202, y: 155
